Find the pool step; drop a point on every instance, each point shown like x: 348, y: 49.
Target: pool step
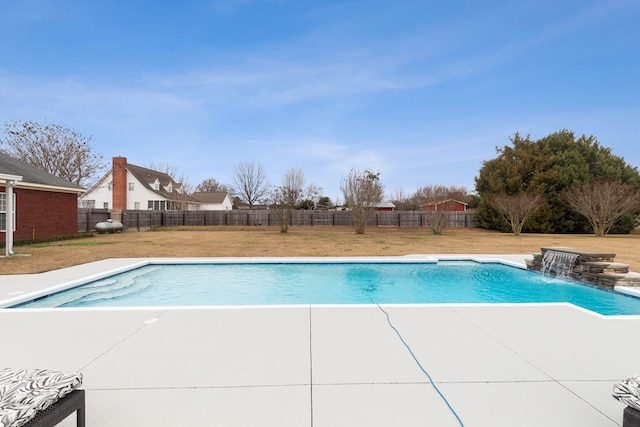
x: 611, y: 280
x: 602, y: 273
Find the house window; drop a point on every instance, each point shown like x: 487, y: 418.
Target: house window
x: 131, y: 186
x: 110, y: 186
x: 136, y: 205
x: 105, y: 205
x: 157, y: 205
x: 3, y: 211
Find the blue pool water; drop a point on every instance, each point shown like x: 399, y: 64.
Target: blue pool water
x: 334, y: 283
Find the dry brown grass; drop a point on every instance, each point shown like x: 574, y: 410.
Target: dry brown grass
x: 301, y: 241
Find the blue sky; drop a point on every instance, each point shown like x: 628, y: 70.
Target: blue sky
x: 420, y: 91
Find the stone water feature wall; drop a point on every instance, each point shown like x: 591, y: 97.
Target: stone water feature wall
x: 596, y: 268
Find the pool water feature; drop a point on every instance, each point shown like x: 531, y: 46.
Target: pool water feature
x: 285, y: 283
x: 559, y: 263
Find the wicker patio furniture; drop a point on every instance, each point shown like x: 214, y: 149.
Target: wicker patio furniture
x: 39, y: 397
x: 628, y: 392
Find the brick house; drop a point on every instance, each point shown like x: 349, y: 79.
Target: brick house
x: 131, y: 187
x: 35, y: 204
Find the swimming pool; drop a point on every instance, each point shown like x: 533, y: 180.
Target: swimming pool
x: 285, y: 283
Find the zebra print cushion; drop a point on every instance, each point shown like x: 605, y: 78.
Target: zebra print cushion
x: 24, y: 392
x: 628, y: 392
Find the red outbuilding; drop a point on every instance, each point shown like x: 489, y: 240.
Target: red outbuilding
x: 448, y: 205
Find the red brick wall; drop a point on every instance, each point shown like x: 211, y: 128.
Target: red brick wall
x: 119, y: 183
x: 43, y: 214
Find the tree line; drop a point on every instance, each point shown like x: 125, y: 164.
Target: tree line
x: 557, y: 184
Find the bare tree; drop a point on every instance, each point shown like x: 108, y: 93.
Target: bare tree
x: 517, y: 208
x: 211, y: 185
x: 439, y: 217
x: 287, y: 196
x: 250, y: 183
x: 403, y: 201
x: 431, y: 193
x: 438, y: 220
x: 362, y: 192
x: 167, y: 168
x: 444, y: 195
x: 60, y: 151
x: 603, y: 202
x: 182, y: 193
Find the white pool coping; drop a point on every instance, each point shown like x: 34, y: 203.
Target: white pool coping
x: 320, y: 366
x: 15, y: 289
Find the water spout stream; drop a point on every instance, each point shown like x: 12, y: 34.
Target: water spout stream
x: 559, y: 263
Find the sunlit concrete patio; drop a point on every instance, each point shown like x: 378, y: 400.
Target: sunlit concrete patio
x: 496, y: 365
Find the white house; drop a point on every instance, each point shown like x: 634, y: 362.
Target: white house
x: 213, y: 201
x: 128, y: 187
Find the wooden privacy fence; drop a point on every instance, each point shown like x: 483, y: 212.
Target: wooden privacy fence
x: 143, y: 220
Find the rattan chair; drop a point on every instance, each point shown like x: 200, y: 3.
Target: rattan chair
x: 40, y: 397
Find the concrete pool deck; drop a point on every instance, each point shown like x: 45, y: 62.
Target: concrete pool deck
x: 497, y: 365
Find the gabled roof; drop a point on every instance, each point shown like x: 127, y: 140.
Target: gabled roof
x: 385, y: 205
x: 440, y: 202
x: 34, y: 176
x: 148, y: 176
x: 210, y: 196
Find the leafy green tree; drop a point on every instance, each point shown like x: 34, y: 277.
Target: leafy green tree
x: 548, y: 166
x: 325, y: 202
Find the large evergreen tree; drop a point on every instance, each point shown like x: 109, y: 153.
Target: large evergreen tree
x: 549, y: 166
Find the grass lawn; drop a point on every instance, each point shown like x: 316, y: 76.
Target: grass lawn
x: 301, y: 241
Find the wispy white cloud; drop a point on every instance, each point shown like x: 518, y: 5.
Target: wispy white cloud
x: 351, y: 90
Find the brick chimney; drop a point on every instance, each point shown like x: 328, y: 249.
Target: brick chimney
x: 119, y: 174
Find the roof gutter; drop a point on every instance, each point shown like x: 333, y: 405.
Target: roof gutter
x: 32, y: 186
